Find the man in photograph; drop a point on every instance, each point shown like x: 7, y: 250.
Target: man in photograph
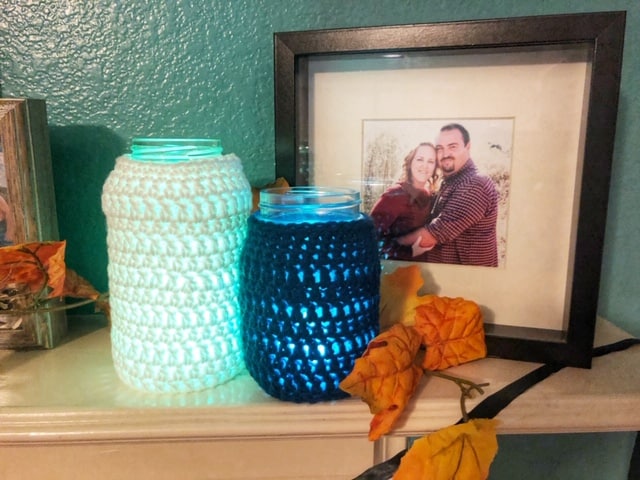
x: 462, y: 229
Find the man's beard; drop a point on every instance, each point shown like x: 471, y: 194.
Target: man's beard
x: 447, y: 169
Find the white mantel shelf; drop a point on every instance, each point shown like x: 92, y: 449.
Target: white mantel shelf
x: 72, y: 394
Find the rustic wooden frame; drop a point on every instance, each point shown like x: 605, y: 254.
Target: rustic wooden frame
x: 29, y: 191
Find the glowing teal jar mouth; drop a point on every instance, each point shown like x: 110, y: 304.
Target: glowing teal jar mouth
x: 309, y: 204
x: 173, y: 150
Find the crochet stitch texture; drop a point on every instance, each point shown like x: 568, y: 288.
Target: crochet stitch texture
x: 174, y: 236
x: 309, y: 293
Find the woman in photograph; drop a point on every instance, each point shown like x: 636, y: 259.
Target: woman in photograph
x: 405, y: 206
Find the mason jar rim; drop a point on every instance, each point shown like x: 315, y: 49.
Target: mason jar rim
x: 172, y: 150
x: 294, y: 197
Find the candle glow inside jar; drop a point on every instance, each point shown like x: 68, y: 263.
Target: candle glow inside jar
x: 176, y: 214
x: 309, y: 291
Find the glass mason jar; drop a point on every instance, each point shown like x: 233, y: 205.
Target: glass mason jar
x: 309, y: 291
x: 176, y: 213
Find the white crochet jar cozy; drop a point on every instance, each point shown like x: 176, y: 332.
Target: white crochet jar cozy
x: 174, y: 236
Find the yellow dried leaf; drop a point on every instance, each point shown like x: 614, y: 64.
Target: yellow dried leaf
x: 458, y: 452
x: 452, y: 330
x: 399, y: 296
x: 386, y: 376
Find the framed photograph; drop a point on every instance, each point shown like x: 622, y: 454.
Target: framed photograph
x: 27, y: 211
x: 515, y: 118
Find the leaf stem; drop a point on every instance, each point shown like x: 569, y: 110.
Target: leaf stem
x: 467, y: 387
x: 54, y: 308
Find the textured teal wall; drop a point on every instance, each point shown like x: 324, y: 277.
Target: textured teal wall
x: 112, y: 70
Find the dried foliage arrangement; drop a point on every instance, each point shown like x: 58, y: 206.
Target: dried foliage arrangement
x: 423, y: 335
x: 33, y: 274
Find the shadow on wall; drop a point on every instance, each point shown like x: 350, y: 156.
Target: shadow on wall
x: 82, y: 158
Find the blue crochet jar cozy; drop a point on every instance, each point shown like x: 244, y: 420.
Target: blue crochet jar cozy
x: 309, y: 291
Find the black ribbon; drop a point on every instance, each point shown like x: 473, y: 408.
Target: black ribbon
x: 493, y: 404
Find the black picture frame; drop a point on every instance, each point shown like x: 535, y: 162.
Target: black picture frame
x: 601, y: 32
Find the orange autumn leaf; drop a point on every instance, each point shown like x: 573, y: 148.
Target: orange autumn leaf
x: 463, y: 452
x: 451, y: 329
x: 279, y: 182
x: 399, y: 296
x: 36, y: 266
x: 386, y: 376
x: 77, y: 287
